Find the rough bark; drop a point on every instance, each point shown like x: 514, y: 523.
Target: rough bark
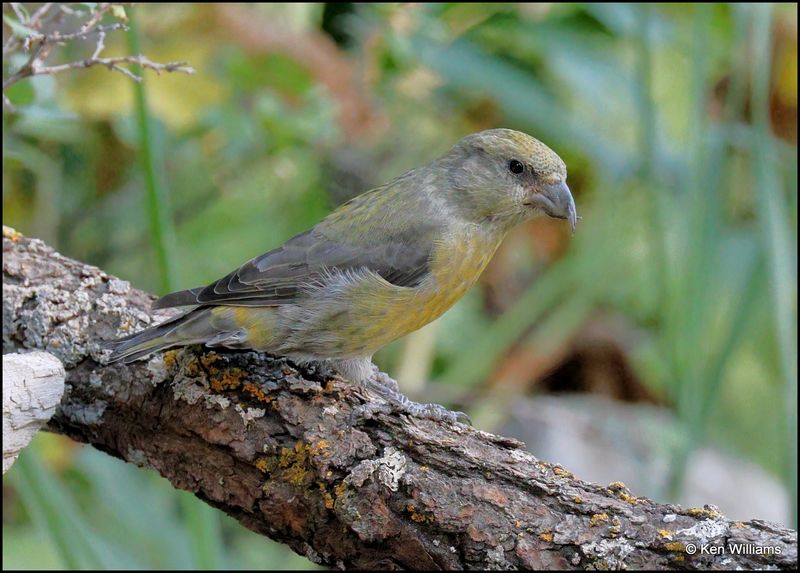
x: 272, y: 445
x: 33, y: 384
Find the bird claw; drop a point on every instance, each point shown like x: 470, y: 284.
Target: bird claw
x: 368, y: 411
x: 394, y: 401
x: 435, y: 412
x: 386, y: 380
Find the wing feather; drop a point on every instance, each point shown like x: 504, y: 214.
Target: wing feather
x: 282, y: 275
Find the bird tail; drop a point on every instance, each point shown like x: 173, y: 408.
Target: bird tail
x: 194, y: 327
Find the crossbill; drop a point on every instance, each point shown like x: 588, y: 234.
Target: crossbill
x: 380, y: 266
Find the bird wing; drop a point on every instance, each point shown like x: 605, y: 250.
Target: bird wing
x: 399, y: 254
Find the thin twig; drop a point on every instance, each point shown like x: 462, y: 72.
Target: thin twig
x: 67, y: 10
x: 8, y: 104
x: 110, y: 63
x: 10, y: 46
x: 41, y: 45
x: 40, y: 13
x: 101, y: 44
x: 96, y: 17
x: 59, y: 38
x: 113, y: 63
x: 19, y: 12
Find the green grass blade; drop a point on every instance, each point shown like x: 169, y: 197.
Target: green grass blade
x: 655, y: 211
x: 204, y: 528
x: 161, y: 227
x: 53, y: 510
x: 773, y: 213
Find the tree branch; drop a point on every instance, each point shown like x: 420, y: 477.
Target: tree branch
x: 41, y: 45
x: 271, y: 444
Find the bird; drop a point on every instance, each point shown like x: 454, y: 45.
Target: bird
x: 380, y: 266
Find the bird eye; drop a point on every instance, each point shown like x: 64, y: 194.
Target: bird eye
x: 516, y: 167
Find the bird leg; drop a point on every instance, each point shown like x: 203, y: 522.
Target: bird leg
x: 383, y: 378
x: 388, y: 389
x: 364, y: 373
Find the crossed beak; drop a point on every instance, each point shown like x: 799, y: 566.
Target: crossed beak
x: 556, y: 201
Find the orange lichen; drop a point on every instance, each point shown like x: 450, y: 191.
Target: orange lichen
x: 209, y: 359
x: 170, y: 359
x: 616, y: 526
x: 192, y: 368
x: 562, y: 472
x: 577, y: 499
x: 675, y: 546
x: 233, y: 377
x: 703, y: 512
x: 617, y: 485
x: 546, y: 536
x: 294, y: 461
x: 626, y: 497
x: 296, y: 464
x: 665, y: 533
x: 262, y: 465
x: 229, y: 380
x: 416, y: 516
x: 327, y: 498
x: 10, y: 233
x: 598, y: 518
x: 256, y: 392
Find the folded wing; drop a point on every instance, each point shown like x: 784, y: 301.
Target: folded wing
x: 283, y: 274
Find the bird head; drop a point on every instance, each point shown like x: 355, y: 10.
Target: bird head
x: 505, y: 176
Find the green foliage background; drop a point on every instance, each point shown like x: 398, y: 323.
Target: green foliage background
x: 669, y: 118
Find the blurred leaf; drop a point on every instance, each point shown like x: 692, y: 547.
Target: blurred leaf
x: 20, y: 93
x: 119, y: 12
x: 19, y: 29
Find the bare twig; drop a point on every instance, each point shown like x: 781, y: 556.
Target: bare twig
x: 40, y: 45
x: 7, y: 102
x: 110, y: 63
x: 96, y: 17
x: 101, y: 44
x: 59, y: 38
x: 15, y: 6
x: 38, y: 16
x: 34, y: 23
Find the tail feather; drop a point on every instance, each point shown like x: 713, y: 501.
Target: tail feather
x: 180, y: 298
x: 190, y: 328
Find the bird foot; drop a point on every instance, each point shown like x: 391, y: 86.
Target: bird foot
x: 394, y: 401
x: 386, y: 380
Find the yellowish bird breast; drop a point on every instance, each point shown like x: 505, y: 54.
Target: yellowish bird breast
x: 457, y: 261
